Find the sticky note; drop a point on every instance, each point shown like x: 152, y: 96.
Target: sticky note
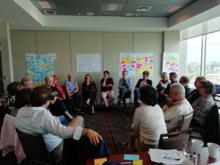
x: 131, y: 157
x: 137, y: 162
x: 99, y: 161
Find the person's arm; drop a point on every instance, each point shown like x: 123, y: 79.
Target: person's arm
x: 129, y: 83
x: 76, y: 87
x: 121, y: 84
x: 52, y: 125
x: 149, y: 82
x: 103, y: 82
x: 94, y: 85
x: 138, y: 83
x: 68, y: 90
x: 110, y: 83
x: 170, y: 114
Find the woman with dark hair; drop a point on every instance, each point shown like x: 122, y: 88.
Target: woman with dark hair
x: 12, y: 89
x: 107, y: 88
x: 204, y: 102
x: 195, y: 93
x: 148, y: 122
x: 22, y: 99
x: 184, y: 80
x: 89, y: 91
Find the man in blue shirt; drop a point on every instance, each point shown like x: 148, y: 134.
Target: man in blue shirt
x: 124, y: 87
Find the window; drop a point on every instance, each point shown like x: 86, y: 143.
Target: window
x: 212, y: 62
x: 193, y: 58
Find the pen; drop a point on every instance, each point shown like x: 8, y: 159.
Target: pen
x: 171, y: 158
x: 125, y: 163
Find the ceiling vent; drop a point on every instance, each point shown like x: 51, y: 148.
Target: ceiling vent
x: 144, y: 8
x: 49, y: 12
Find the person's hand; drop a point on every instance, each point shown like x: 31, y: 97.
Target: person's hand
x: 93, y: 136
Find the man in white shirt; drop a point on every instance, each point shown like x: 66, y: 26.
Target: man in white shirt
x: 38, y: 120
x: 179, y: 106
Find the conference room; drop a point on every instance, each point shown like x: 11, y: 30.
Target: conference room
x: 78, y: 41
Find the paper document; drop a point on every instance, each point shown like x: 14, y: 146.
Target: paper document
x: 166, y: 156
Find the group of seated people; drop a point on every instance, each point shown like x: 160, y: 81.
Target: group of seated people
x: 152, y: 119
x: 33, y: 109
x: 157, y: 109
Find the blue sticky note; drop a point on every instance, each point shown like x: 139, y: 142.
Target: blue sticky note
x: 131, y: 157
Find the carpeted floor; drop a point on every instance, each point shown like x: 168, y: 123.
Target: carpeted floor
x: 112, y: 125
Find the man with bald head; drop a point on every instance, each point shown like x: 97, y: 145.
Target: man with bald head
x: 179, y: 106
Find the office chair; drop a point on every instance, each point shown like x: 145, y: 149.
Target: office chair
x: 185, y: 121
x: 174, y: 140
x: 34, y: 147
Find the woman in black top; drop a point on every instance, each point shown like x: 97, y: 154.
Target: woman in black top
x: 106, y: 89
x: 89, y: 91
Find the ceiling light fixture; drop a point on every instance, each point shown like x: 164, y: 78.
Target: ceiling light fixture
x: 112, y: 7
x: 90, y: 13
x: 174, y: 8
x: 129, y: 14
x: 44, y: 4
x: 50, y: 12
x: 144, y: 8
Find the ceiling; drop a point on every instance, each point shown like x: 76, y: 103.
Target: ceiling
x: 107, y: 15
x: 132, y: 8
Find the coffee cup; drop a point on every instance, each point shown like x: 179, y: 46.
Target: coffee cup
x: 197, y: 145
x: 213, y: 149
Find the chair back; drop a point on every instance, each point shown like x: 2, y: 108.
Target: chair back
x: 34, y: 146
x: 174, y: 140
x: 185, y: 121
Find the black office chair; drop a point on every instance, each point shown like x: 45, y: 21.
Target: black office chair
x: 174, y: 140
x: 34, y: 147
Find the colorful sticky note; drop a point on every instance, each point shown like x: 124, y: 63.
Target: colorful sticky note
x: 99, y: 161
x: 137, y: 162
x: 131, y: 157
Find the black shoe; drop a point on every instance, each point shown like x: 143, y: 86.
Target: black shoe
x: 119, y: 102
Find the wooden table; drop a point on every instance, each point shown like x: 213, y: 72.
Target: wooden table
x: 120, y: 157
x: 203, y: 158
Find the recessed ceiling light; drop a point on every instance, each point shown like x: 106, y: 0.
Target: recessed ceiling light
x: 50, y: 12
x: 174, y: 8
x: 144, y: 8
x: 44, y: 4
x: 129, y: 14
x: 90, y: 13
x: 112, y: 7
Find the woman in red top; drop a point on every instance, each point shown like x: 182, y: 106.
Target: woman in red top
x: 58, y: 87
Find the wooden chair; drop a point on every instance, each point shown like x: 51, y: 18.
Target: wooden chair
x: 34, y: 147
x: 185, y: 121
x: 174, y: 140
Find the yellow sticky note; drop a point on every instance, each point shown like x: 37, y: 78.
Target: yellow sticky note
x: 137, y: 162
x: 99, y: 161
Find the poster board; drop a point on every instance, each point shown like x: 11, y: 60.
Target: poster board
x: 171, y: 62
x: 89, y: 62
x: 136, y: 63
x: 40, y: 65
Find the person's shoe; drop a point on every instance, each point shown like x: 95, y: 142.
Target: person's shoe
x: 77, y: 109
x: 93, y: 110
x: 119, y: 102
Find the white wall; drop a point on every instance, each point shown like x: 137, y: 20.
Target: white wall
x: 67, y: 44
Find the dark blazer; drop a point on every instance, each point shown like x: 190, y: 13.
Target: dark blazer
x: 149, y: 82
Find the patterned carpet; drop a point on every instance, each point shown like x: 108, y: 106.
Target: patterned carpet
x: 112, y: 125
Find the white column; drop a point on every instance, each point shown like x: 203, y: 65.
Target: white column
x: 6, y: 53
